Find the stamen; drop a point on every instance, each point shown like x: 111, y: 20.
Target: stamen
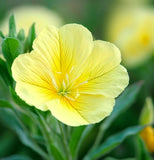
x: 64, y: 85
x: 67, y: 78
x: 59, y: 72
x: 71, y: 69
x: 82, y: 83
x: 69, y: 98
x: 53, y: 81
x: 77, y: 94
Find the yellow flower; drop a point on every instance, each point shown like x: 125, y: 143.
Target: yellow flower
x: 132, y: 30
x: 25, y: 16
x: 133, y: 2
x: 148, y: 136
x: 71, y: 75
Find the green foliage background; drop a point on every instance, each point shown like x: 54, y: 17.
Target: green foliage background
x: 21, y: 134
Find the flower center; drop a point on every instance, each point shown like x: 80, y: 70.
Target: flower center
x: 145, y: 39
x: 63, y: 93
x: 68, y: 88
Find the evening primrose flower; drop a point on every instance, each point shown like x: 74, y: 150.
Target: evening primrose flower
x: 25, y: 16
x: 134, y: 2
x: 132, y: 30
x: 71, y: 75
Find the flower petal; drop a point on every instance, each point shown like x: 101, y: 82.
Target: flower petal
x: 34, y: 83
x: 103, y: 73
x: 104, y: 57
x: 109, y: 84
x: 76, y: 43
x: 63, y: 111
x: 94, y: 107
x: 34, y: 95
x: 46, y: 45
x: 65, y: 50
x: 85, y: 110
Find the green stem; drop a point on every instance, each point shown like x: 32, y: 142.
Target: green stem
x: 64, y: 140
x: 98, y: 139
x: 68, y: 131
x: 45, y: 132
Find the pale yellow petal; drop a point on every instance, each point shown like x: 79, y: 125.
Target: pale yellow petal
x: 86, y: 109
x: 110, y: 84
x: 101, y: 74
x: 34, y: 95
x: 104, y: 57
x: 33, y: 80
x: 64, y: 112
x: 76, y: 43
x: 46, y: 45
x: 94, y: 108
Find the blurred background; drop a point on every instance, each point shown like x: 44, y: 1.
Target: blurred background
x: 127, y: 23
x: 91, y: 14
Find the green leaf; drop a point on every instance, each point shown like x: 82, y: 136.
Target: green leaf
x: 5, y: 104
x: 8, y: 141
x: 1, y: 35
x: 87, y: 140
x: 11, y: 48
x: 56, y: 153
x: 12, y: 27
x: 18, y: 127
x: 74, y: 140
x: 21, y: 35
x: 126, y: 99
x: 17, y: 157
x: 4, y: 73
x: 142, y: 152
x: 112, y: 142
x: 30, y: 38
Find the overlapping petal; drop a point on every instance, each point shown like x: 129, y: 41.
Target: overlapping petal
x: 84, y: 110
x: 64, y: 50
x: 104, y: 57
x: 110, y: 84
x: 69, y: 46
x: 103, y: 73
x: 76, y: 43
